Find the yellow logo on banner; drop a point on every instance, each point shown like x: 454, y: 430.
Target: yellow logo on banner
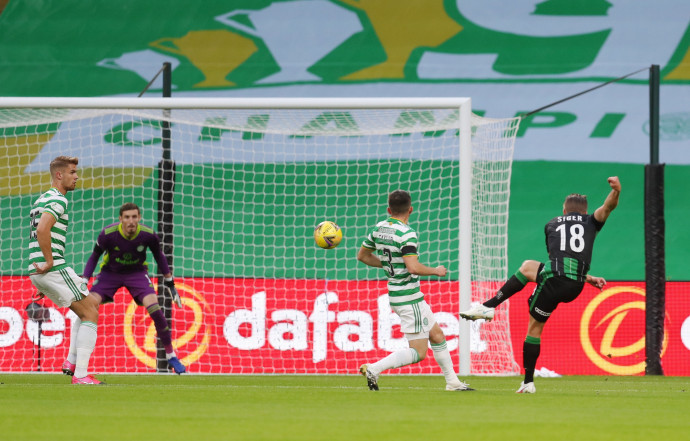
x: 147, y: 354
x: 605, y: 354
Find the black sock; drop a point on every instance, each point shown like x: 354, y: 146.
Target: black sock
x: 530, y: 352
x: 513, y: 285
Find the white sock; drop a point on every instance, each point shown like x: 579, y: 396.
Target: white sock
x: 170, y: 355
x: 397, y: 359
x: 86, y: 341
x: 442, y: 357
x: 72, y: 354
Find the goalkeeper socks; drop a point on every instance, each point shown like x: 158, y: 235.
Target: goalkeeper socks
x: 397, y: 359
x: 513, y: 285
x: 86, y: 341
x: 162, y: 328
x: 530, y: 352
x: 74, y: 330
x: 442, y: 357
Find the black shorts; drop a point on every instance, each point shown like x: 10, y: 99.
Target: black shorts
x: 551, y: 290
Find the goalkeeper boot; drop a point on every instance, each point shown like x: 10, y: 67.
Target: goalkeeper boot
x: 68, y: 368
x: 526, y: 388
x: 478, y: 312
x: 459, y: 386
x: 372, y: 378
x: 86, y: 380
x: 176, y: 365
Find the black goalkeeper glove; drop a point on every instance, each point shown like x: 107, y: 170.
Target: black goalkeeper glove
x: 170, y: 289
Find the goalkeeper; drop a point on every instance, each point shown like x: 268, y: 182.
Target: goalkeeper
x: 124, y: 264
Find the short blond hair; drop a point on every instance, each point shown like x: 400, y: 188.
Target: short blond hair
x: 59, y: 163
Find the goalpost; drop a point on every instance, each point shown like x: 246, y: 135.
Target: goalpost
x: 252, y: 177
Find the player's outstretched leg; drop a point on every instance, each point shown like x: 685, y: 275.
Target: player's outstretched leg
x: 397, y: 359
x: 372, y: 378
x: 478, y: 312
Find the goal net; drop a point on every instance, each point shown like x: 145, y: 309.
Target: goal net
x: 235, y: 189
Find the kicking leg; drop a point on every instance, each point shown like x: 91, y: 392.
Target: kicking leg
x: 527, y: 273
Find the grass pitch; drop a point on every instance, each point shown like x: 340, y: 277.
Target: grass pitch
x: 200, y: 408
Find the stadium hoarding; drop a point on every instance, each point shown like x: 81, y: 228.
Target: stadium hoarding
x: 540, y: 52
x: 236, y: 326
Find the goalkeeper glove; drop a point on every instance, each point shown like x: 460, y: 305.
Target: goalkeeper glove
x: 172, y: 291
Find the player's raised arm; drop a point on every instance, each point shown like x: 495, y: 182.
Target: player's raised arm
x: 602, y: 213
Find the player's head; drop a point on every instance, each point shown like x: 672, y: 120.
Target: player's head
x: 63, y: 172
x: 130, y: 215
x: 575, y: 203
x: 399, y: 203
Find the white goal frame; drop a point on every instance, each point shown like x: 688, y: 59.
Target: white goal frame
x: 463, y: 104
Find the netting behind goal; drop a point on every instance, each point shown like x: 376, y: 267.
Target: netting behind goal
x: 249, y: 187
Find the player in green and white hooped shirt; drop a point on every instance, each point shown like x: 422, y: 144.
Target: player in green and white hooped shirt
x: 392, y: 245
x: 48, y: 270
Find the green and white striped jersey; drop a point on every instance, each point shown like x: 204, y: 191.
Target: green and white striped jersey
x: 392, y: 239
x: 54, y: 203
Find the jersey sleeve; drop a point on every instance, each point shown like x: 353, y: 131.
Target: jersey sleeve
x: 98, y: 250
x: 56, y: 208
x: 369, y: 242
x: 598, y: 225
x: 408, y: 245
x: 155, y: 247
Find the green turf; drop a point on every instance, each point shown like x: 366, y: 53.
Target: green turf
x: 196, y: 408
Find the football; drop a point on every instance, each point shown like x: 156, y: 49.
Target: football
x: 328, y: 235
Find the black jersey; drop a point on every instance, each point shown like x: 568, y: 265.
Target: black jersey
x: 569, y: 242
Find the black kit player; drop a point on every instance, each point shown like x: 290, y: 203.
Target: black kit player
x: 569, y: 242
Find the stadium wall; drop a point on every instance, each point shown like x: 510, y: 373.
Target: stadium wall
x: 510, y: 57
x: 602, y: 333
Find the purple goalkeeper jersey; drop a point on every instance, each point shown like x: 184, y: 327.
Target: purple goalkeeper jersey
x: 125, y: 256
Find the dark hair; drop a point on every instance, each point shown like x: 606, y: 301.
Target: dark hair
x: 129, y: 206
x: 61, y: 162
x: 575, y: 202
x: 399, y: 202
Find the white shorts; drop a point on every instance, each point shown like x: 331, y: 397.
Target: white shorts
x: 63, y: 286
x: 416, y: 320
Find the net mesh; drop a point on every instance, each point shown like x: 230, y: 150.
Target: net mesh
x: 249, y: 187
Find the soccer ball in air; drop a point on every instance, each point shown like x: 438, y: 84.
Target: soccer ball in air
x: 328, y: 235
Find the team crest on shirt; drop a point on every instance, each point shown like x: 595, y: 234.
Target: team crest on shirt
x: 426, y: 321
x: 140, y: 248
